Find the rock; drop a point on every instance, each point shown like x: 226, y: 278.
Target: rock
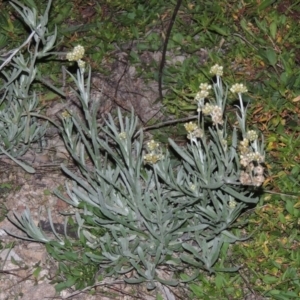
x: 9, y: 254
x: 38, y: 292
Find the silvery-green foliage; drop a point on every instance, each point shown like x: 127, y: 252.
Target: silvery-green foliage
x: 19, y: 125
x: 171, y: 213
x: 206, y: 182
x: 34, y: 233
x: 158, y: 212
x: 164, y: 215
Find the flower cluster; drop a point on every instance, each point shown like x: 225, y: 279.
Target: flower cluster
x: 154, y: 154
x: 123, y: 135
x: 215, y: 112
x: 252, y: 135
x: 253, y: 173
x: 193, y: 130
x: 205, y: 87
x: 247, y: 158
x: 77, y: 53
x: 250, y: 157
x: 190, y: 127
x: 232, y: 203
x: 203, y: 92
x: 152, y: 145
x: 65, y: 114
x: 253, y: 176
x: 192, y: 187
x: 216, y: 70
x: 238, y: 88
x: 152, y: 158
x: 81, y: 64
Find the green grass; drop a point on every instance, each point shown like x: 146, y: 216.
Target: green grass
x: 258, y: 44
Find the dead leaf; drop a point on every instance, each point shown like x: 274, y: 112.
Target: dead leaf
x: 296, y: 99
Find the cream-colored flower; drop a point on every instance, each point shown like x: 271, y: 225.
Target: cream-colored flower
x: 245, y: 178
x: 244, y: 143
x: 217, y: 116
x: 256, y: 156
x: 123, y: 135
x: 70, y: 56
x: 79, y: 51
x: 251, y: 166
x: 197, y: 133
x: 244, y: 160
x: 190, y: 127
x: 65, y: 114
x: 243, y: 147
x: 152, y: 158
x: 207, y: 109
x: 81, y: 64
x: 252, y: 135
x: 216, y: 70
x: 258, y: 170
x: 247, y: 158
x: 258, y: 180
x: 232, y: 203
x: 201, y: 95
x: 192, y: 187
x: 152, y: 145
x: 205, y: 87
x: 76, y: 54
x: 238, y: 88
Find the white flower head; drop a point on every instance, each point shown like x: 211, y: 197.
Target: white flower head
x: 259, y: 170
x: 152, y: 158
x: 205, y: 87
x: 76, y: 54
x: 123, y: 135
x: 207, y: 109
x: 217, y: 115
x: 152, y: 145
x: 81, y: 64
x: 204, y: 91
x: 197, y: 133
x: 193, y: 187
x: 238, y: 88
x: 65, y: 114
x: 190, y: 127
x: 216, y: 70
x: 201, y: 95
x: 252, y: 135
x: 232, y: 203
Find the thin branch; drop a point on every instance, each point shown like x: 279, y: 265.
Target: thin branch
x: 163, y: 58
x: 293, y: 195
x: 169, y: 123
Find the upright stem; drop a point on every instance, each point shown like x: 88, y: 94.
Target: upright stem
x: 243, y: 112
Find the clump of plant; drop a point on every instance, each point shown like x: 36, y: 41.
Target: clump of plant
x: 20, y: 123
x: 159, y: 213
